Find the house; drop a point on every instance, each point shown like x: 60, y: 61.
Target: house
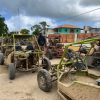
x: 67, y: 29
x: 88, y: 29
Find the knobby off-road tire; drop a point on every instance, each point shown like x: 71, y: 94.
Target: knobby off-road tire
x: 12, y: 71
x: 49, y: 54
x: 44, y: 80
x: 1, y: 59
x: 46, y: 63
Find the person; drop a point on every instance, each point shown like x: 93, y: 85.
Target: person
x: 94, y: 47
x: 69, y: 55
x: 93, y: 54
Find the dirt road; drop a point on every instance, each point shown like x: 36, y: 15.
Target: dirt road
x: 24, y: 87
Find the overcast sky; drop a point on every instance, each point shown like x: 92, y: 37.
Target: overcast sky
x: 25, y: 13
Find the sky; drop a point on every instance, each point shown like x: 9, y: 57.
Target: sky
x: 26, y: 13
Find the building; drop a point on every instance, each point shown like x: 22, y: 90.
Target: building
x: 88, y: 29
x: 67, y: 29
x: 50, y: 31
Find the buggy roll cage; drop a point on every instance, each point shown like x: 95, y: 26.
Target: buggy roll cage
x: 27, y: 36
x: 62, y: 62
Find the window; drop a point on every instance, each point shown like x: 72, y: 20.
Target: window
x: 65, y: 30
x: 60, y: 30
x: 71, y: 30
x: 77, y: 30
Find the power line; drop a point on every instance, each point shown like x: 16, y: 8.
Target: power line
x: 82, y: 14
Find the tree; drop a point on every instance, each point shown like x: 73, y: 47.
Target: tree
x: 39, y: 28
x: 3, y: 26
x: 44, y: 26
x: 24, y: 31
x: 36, y: 29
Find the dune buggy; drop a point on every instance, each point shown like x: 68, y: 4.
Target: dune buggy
x: 25, y: 56
x: 73, y: 63
x: 54, y: 49
x: 6, y: 45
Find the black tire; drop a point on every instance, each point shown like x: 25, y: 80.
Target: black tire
x: 46, y: 63
x: 49, y: 54
x: 1, y: 59
x: 2, y: 50
x: 12, y: 71
x: 44, y: 80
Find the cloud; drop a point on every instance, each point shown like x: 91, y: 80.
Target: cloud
x: 45, y: 8
x: 90, y: 2
x: 15, y: 23
x: 59, y: 10
x: 97, y: 25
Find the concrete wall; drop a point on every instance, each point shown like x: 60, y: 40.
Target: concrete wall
x: 66, y: 38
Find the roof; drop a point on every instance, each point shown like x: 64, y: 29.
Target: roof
x: 66, y: 26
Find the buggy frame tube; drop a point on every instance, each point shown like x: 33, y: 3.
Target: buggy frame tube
x: 66, y: 48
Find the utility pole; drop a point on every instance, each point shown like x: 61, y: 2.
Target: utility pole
x: 19, y: 21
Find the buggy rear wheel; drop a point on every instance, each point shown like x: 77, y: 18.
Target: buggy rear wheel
x: 12, y: 71
x: 44, y: 80
x: 49, y: 54
x: 1, y: 59
x: 46, y: 63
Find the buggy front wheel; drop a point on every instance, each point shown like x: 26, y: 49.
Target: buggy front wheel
x: 12, y: 71
x: 44, y: 80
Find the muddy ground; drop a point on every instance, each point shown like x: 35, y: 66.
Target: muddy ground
x: 24, y: 87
